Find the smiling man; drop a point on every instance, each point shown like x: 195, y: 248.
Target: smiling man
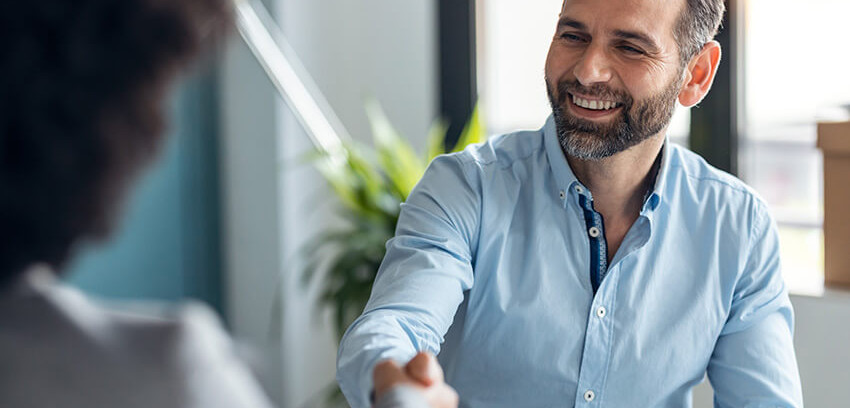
x: 592, y: 262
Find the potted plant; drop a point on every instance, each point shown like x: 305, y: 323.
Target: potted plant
x: 370, y: 184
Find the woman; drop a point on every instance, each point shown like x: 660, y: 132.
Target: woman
x: 82, y: 89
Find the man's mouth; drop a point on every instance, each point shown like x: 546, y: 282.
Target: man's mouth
x: 594, y: 104
x: 589, y: 108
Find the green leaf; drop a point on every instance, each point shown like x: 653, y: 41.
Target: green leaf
x: 399, y: 161
x: 341, y: 179
x: 358, y: 183
x: 474, y: 131
x: 436, y: 139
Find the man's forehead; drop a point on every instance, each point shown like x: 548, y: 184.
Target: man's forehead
x: 651, y: 17
x: 628, y: 4
x: 638, y: 12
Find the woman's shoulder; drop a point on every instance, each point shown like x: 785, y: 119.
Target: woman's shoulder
x: 171, y: 354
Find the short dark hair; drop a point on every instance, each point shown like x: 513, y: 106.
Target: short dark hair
x: 698, y: 23
x: 82, y: 89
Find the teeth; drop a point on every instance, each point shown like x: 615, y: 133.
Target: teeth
x: 595, y: 105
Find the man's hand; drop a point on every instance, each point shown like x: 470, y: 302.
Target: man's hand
x: 423, y: 373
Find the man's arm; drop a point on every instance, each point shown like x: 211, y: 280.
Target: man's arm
x: 421, y: 281
x: 753, y: 363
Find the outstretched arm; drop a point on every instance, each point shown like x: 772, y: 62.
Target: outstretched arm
x: 421, y: 282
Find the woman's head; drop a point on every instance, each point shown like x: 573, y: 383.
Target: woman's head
x: 82, y: 88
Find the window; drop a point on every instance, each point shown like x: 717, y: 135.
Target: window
x: 793, y: 75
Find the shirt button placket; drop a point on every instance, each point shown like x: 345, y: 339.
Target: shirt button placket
x: 597, y: 351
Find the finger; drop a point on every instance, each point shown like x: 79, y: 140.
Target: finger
x: 425, y: 369
x: 387, y: 374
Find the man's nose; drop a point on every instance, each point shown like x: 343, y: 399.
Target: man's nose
x: 593, y: 67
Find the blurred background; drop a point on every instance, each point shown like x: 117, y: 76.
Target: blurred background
x: 225, y: 215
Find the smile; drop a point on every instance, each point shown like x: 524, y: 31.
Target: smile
x: 594, y: 104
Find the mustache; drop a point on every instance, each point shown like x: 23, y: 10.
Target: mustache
x: 598, y: 90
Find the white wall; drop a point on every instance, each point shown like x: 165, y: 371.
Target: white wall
x: 380, y: 48
x: 822, y: 342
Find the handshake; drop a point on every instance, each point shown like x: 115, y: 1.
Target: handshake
x: 422, y: 373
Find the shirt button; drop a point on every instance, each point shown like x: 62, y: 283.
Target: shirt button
x: 579, y: 189
x: 589, y: 395
x: 593, y: 231
x: 600, y: 312
x: 563, y: 194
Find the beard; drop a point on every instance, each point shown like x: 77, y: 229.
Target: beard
x: 638, y: 121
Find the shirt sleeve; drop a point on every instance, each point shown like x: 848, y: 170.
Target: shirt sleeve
x: 421, y: 281
x: 753, y: 363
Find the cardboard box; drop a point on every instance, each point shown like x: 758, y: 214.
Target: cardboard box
x: 834, y: 141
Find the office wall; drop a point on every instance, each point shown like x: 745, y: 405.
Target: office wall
x: 273, y: 202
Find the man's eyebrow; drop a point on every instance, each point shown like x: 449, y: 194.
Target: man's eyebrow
x: 644, y: 39
x: 568, y: 22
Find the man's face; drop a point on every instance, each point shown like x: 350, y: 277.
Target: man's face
x: 613, y: 74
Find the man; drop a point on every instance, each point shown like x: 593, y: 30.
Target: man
x: 590, y: 263
x: 83, y: 86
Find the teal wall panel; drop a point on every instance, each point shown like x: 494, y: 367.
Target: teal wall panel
x: 167, y: 243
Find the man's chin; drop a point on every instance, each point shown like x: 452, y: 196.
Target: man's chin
x: 586, y: 146
x: 592, y: 131
x: 586, y: 140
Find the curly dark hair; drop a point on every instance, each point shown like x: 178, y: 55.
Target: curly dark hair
x: 82, y: 89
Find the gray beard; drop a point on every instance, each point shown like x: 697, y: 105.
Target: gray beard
x: 639, y: 121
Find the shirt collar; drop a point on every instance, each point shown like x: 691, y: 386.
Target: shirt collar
x: 36, y: 278
x: 557, y: 161
x: 654, y: 198
x: 567, y: 180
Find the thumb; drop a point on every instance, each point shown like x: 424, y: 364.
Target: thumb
x: 387, y: 374
x: 425, y: 369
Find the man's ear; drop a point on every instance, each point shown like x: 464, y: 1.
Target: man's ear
x: 699, y: 74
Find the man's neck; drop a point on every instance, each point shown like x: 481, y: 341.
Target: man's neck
x: 621, y: 179
x: 619, y: 185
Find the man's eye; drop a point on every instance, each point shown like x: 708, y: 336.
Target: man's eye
x: 631, y: 50
x: 571, y: 37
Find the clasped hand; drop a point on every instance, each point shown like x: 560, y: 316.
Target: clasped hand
x: 423, y: 373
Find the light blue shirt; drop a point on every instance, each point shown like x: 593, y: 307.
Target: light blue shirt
x: 490, y: 268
